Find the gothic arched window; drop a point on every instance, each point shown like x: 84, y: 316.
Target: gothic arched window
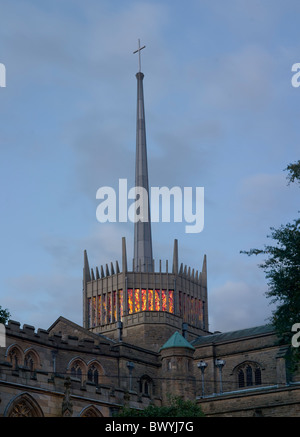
x: 248, y: 374
x: 24, y: 406
x: 146, y: 385
x: 15, y: 356
x: 93, y: 374
x: 31, y: 360
x: 241, y: 378
x: 77, y: 369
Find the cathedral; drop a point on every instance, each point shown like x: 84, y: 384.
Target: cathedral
x: 145, y: 336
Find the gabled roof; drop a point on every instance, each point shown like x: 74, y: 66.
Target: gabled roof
x: 234, y: 335
x: 77, y: 330
x: 177, y: 340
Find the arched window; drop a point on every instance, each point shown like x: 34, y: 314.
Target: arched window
x: 23, y: 406
x: 15, y: 356
x: 31, y: 360
x: 90, y: 411
x: 241, y: 378
x: 248, y: 374
x: 146, y: 386
x: 95, y: 372
x: 77, y: 369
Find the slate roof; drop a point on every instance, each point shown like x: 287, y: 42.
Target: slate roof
x: 233, y: 335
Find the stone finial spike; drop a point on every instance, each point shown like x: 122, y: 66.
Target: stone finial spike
x: 112, y: 270
x: 175, y: 257
x: 167, y: 266
x: 189, y: 273
x: 185, y: 270
x: 86, y: 268
x: 196, y: 276
x: 97, y: 273
x: 102, y: 272
x: 92, y: 275
x: 181, y: 269
x: 107, y: 270
x: 124, y: 255
x: 204, y: 271
x: 117, y: 267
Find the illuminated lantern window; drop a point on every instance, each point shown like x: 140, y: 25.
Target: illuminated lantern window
x: 164, y: 300
x: 150, y: 300
x: 171, y: 301
x: 104, y: 309
x: 99, y: 310
x: 130, y: 300
x: 144, y: 299
x: 109, y: 308
x: 121, y: 308
x: 157, y: 300
x: 114, y: 307
x: 94, y: 311
x: 137, y: 300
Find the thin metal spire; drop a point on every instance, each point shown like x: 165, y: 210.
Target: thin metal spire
x: 143, y: 259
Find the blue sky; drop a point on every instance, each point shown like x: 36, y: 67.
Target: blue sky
x: 220, y: 113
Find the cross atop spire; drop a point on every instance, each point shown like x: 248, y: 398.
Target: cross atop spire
x: 139, y: 52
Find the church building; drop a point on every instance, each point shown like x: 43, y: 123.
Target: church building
x: 145, y: 335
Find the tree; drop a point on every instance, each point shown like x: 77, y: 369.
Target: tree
x: 282, y: 269
x: 4, y: 315
x: 294, y: 172
x: 177, y: 408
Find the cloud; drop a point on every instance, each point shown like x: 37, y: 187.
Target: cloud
x: 266, y: 201
x: 237, y: 305
x: 41, y: 299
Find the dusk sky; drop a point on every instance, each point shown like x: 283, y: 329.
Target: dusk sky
x: 221, y: 113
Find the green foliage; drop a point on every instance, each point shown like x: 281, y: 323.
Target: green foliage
x: 177, y: 407
x: 294, y: 172
x: 4, y: 315
x: 282, y: 269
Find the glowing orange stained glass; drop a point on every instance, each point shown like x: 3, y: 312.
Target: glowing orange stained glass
x: 150, y: 300
x: 121, y: 307
x: 114, y: 306
x: 130, y: 300
x: 109, y: 308
x: 171, y: 301
x: 164, y: 300
x: 157, y: 300
x: 104, y: 309
x: 144, y: 299
x: 137, y: 300
x: 94, y: 311
x: 200, y: 311
x: 99, y: 310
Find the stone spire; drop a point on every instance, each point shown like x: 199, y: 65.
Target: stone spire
x: 143, y: 259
